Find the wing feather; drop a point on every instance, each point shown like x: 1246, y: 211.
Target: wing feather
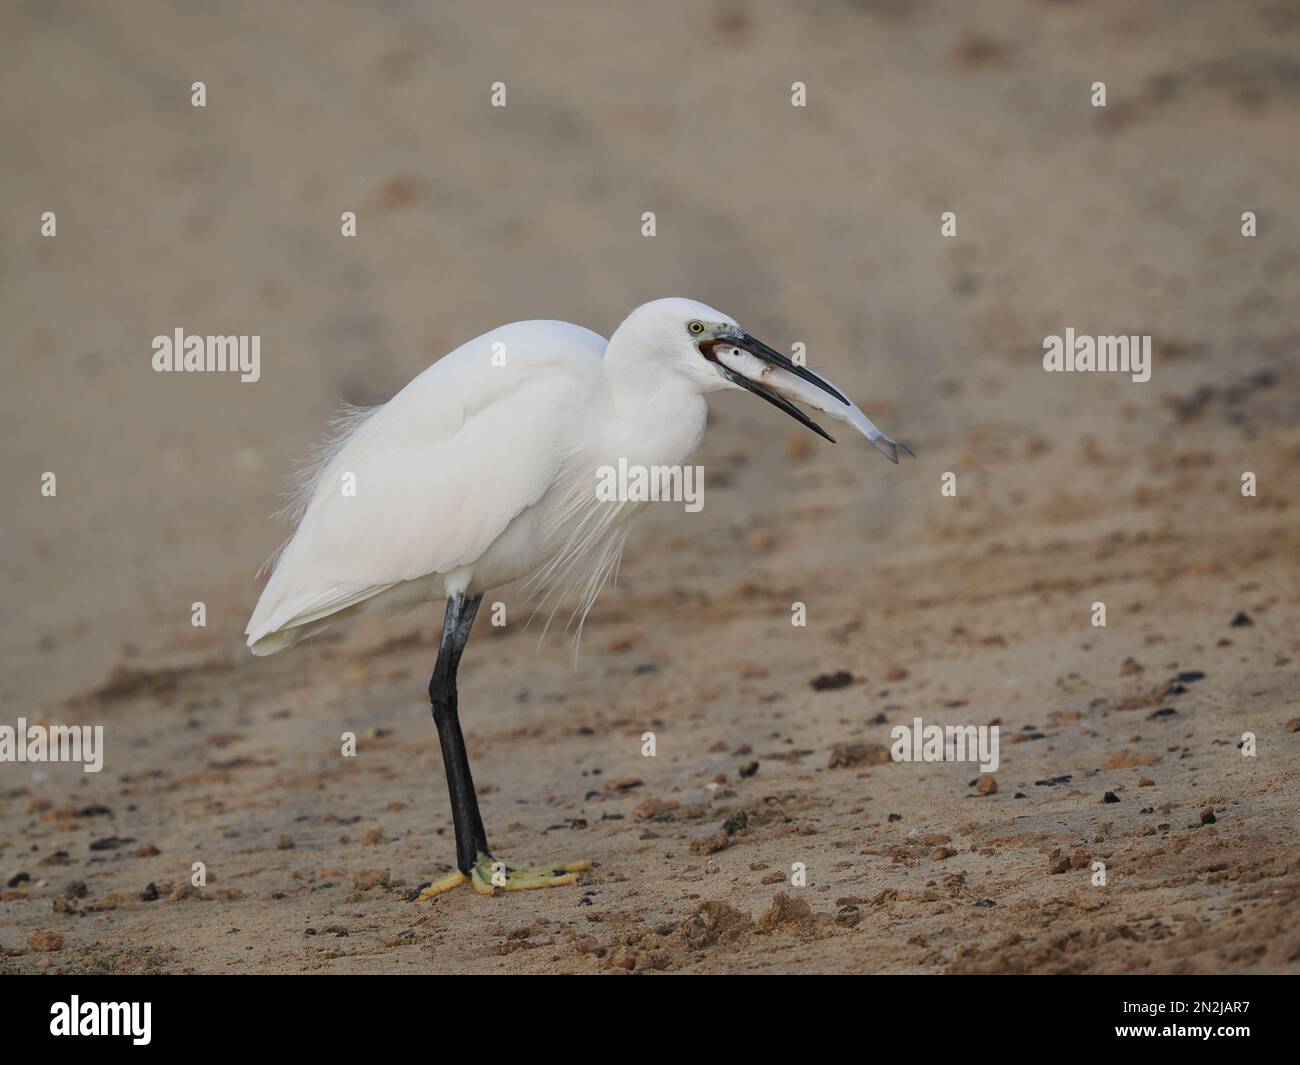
x: 425, y: 483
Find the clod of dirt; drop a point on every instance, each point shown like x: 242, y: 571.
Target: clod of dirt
x: 718, y: 841
x: 830, y: 681
x: 667, y: 947
x: 737, y: 822
x: 790, y: 915
x: 1164, y: 711
x: 371, y: 878
x: 940, y: 854
x: 848, y: 916
x: 45, y: 942
x: 1292, y: 726
x: 846, y: 755
x: 1146, y: 782
x: 1130, y: 667
x: 987, y: 784
x: 650, y: 808
x: 748, y: 770
x: 1207, y: 816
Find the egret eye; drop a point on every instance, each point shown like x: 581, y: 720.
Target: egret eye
x: 695, y: 328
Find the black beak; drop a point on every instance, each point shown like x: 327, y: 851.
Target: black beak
x: 757, y: 347
x: 776, y: 401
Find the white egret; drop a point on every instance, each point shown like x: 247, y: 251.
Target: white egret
x: 483, y: 471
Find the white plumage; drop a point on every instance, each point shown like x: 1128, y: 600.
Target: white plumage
x: 482, y: 470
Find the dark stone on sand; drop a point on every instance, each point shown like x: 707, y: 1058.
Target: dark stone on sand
x: 830, y: 681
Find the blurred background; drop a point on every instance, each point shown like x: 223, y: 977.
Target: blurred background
x: 818, y: 224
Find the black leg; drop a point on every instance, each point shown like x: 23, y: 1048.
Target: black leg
x: 470, y: 838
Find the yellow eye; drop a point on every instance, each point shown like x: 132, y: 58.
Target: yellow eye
x: 695, y: 327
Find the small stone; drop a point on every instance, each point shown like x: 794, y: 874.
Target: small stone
x: 1110, y: 796
x: 1060, y: 865
x: 45, y: 942
x: 1207, y: 816
x: 109, y: 843
x: 650, y: 808
x: 987, y: 784
x: 285, y: 843
x: 830, y: 681
x: 1241, y: 618
x: 1130, y: 667
x: 940, y: 854
x: 1146, y: 782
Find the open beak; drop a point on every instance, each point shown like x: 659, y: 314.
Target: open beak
x: 757, y: 368
x: 742, y: 340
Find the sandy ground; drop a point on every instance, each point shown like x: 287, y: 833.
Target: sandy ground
x: 816, y: 224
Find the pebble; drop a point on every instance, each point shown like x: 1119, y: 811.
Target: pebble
x: 830, y: 681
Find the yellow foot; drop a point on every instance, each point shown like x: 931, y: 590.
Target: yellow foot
x: 453, y: 879
x: 491, y: 873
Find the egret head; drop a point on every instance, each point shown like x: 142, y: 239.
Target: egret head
x: 713, y: 352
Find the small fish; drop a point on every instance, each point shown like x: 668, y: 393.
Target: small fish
x: 796, y: 388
